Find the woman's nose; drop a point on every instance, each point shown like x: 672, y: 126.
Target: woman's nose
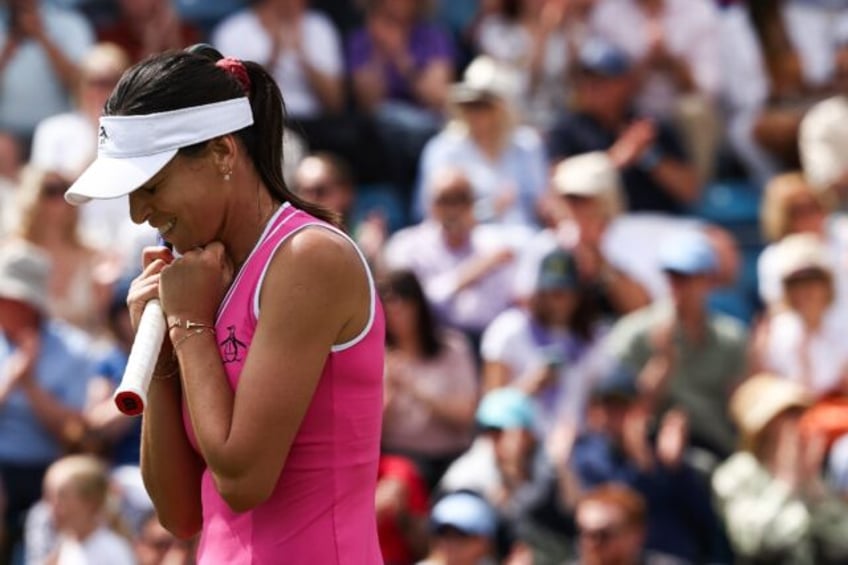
x: 139, y: 207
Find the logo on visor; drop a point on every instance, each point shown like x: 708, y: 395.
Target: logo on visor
x: 103, y: 135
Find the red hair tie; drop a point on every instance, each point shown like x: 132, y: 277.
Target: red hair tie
x: 236, y: 68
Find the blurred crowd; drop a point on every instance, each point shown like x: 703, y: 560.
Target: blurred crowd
x: 610, y: 237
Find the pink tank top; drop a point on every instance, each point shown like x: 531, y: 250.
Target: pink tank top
x: 321, y: 511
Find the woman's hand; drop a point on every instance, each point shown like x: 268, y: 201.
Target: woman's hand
x: 144, y: 288
x: 193, y: 286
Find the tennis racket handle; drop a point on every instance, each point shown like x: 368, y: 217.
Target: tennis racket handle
x: 131, y: 395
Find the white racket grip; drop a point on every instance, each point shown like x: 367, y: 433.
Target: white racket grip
x: 131, y: 396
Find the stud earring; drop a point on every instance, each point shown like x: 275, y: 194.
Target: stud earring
x: 228, y: 175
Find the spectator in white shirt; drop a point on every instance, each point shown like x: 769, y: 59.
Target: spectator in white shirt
x: 505, y: 163
x: 66, y: 143
x: 823, y: 144
x: 538, y: 39
x: 548, y: 350
x: 299, y: 47
x: 802, y: 341
x: 792, y: 206
x: 587, y: 199
x: 76, y: 488
x: 466, y: 269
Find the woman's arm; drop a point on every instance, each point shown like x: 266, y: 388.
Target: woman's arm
x: 320, y: 297
x: 170, y: 467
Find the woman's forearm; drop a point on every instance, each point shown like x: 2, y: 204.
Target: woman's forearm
x: 170, y: 467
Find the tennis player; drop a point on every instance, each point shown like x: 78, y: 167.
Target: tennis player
x: 262, y: 427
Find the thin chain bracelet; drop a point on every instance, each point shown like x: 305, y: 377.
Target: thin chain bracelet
x: 189, y: 335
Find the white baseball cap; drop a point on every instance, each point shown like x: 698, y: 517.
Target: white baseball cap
x: 823, y: 142
x: 132, y: 149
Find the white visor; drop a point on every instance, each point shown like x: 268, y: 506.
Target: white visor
x: 132, y: 149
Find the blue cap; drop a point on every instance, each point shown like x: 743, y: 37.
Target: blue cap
x: 619, y: 382
x: 690, y: 253
x: 600, y: 57
x: 466, y: 512
x: 558, y: 271
x: 506, y: 409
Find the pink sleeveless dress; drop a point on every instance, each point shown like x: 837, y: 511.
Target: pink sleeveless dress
x: 321, y: 511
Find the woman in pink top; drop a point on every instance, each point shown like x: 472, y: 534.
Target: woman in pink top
x: 262, y: 425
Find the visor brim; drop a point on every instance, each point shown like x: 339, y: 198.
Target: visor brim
x: 111, y: 177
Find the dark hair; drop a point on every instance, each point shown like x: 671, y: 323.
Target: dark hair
x: 181, y: 79
x: 404, y: 284
x: 583, y: 319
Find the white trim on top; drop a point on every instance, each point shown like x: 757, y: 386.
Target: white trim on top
x: 372, y: 287
x: 266, y: 233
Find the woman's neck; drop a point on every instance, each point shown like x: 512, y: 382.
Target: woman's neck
x: 246, y: 226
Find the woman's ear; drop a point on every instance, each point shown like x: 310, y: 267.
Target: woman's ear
x: 224, y: 150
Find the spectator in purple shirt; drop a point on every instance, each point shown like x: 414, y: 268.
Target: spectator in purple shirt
x: 401, y: 67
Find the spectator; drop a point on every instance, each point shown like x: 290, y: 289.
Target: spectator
x: 744, y: 91
x: 463, y: 531
x: 539, y: 40
x: 157, y: 546
x: 823, y: 137
x: 509, y: 467
x: 686, y: 357
x: 399, y: 57
x: 804, y: 48
x: 81, y: 276
x: 587, y: 200
x: 113, y: 434
x: 656, y: 174
x: 431, y: 382
x: 771, y: 494
x: 465, y: 268
x: 402, y: 508
x: 550, y: 349
x: 504, y: 162
x: 326, y: 180
x: 76, y: 488
x: 805, y: 340
x: 300, y: 48
x: 148, y: 27
x: 675, y: 45
x: 611, y: 525
x: 790, y: 206
x: 817, y: 31
x: 619, y: 446
x: 67, y: 143
x: 42, y: 391
x: 401, y: 68
x: 39, y: 63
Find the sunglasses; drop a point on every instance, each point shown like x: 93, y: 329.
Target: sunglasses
x: 452, y: 532
x: 804, y: 209
x: 600, y: 536
x: 455, y: 199
x: 317, y: 191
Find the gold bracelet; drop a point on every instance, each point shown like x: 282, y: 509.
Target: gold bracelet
x: 170, y: 375
x: 188, y: 324
x: 189, y: 335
